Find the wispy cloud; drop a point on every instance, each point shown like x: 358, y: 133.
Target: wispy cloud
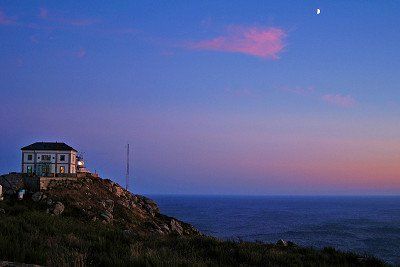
x: 345, y: 101
x: 46, y: 15
x: 6, y: 20
x: 263, y: 42
x: 298, y: 90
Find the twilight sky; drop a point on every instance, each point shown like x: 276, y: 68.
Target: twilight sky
x: 255, y: 97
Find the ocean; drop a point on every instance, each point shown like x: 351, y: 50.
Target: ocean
x: 358, y: 223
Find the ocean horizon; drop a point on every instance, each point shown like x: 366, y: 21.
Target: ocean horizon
x: 366, y: 224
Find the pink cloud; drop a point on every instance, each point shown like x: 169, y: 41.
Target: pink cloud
x: 5, y: 20
x: 44, y: 14
x: 346, y: 101
x: 261, y: 42
x: 298, y: 90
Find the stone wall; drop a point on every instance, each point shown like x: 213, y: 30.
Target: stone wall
x: 13, y: 182
x: 44, y: 182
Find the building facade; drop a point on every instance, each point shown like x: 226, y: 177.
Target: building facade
x: 49, y: 159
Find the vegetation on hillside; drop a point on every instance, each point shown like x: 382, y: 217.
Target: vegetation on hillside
x: 30, y: 235
x: 91, y: 198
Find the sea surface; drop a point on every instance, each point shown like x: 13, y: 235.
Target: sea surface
x: 361, y: 224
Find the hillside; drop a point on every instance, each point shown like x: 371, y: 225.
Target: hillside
x: 93, y: 221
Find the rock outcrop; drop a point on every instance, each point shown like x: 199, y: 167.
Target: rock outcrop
x: 95, y: 199
x: 38, y: 196
x: 58, y: 208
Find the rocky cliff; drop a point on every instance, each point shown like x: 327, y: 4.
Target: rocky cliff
x: 90, y: 221
x: 94, y: 199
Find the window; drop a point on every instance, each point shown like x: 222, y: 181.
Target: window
x: 46, y: 157
x: 29, y: 168
x: 62, y: 157
x: 62, y: 169
x: 30, y: 157
x: 45, y: 169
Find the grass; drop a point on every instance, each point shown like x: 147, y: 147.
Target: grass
x: 29, y: 235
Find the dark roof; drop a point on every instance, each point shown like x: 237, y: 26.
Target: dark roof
x: 48, y: 146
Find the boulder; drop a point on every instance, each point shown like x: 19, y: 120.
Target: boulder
x: 38, y: 196
x: 128, y: 233
x: 165, y: 227
x: 58, y: 208
x: 107, y: 216
x: 149, y: 205
x: 124, y: 203
x: 282, y: 243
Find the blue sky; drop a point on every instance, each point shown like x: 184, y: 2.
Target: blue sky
x: 253, y: 97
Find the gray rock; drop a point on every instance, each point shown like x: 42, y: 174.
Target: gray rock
x: 282, y: 243
x: 58, y: 208
x: 164, y: 226
x: 176, y: 227
x: 49, y: 202
x: 128, y: 233
x: 107, y: 216
x: 123, y: 203
x: 38, y: 196
x: 159, y: 231
x: 118, y: 191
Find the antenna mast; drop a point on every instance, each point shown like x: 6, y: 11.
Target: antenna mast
x: 127, y: 168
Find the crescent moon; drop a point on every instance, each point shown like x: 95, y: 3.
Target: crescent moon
x: 318, y: 11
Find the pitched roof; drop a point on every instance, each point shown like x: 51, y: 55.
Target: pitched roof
x: 48, y: 146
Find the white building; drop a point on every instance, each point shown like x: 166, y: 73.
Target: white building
x: 48, y: 159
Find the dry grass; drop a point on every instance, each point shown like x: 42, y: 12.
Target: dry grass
x: 32, y: 236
